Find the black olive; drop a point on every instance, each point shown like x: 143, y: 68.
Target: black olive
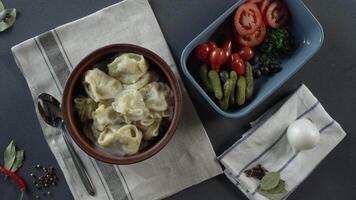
x: 265, y: 70
x: 255, y: 61
x: 257, y: 73
x: 275, y: 68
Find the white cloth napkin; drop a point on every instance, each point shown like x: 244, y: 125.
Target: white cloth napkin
x: 46, y: 62
x: 266, y: 144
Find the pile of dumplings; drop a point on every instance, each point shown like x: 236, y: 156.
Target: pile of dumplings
x: 125, y: 106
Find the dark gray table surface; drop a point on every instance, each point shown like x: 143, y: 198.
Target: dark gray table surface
x: 331, y: 75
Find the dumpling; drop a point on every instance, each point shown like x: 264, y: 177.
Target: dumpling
x: 104, y: 116
x: 128, y: 137
x: 128, y: 68
x: 147, y: 78
x: 167, y: 113
x: 156, y: 96
x: 150, y: 127
x: 130, y: 104
x: 99, y: 86
x: 91, y: 132
x: 85, y: 107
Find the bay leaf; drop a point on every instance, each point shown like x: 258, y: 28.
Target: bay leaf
x: 270, y: 180
x: 277, y: 196
x: 1, y: 6
x: 9, y: 155
x: 20, y: 155
x: 7, y: 18
x: 281, y: 186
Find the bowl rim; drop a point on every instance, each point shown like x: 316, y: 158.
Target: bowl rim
x: 239, y: 113
x: 68, y: 104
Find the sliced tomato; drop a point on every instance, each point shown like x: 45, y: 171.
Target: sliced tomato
x: 254, y: 1
x: 252, y: 40
x: 247, y: 19
x: 277, y: 14
x: 263, y: 8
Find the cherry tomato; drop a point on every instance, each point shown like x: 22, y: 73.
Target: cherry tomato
x: 247, y: 19
x: 212, y: 45
x: 277, y: 14
x: 263, y: 8
x: 246, y: 53
x: 251, y: 40
x: 202, y: 51
x: 237, y: 64
x: 227, y: 46
x: 217, y: 58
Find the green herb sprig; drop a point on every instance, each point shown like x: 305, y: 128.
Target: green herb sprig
x: 7, y: 17
x: 277, y: 44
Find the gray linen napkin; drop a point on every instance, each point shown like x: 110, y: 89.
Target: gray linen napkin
x: 46, y: 62
x: 266, y: 144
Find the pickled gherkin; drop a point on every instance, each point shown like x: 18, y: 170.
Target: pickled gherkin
x: 249, y: 81
x: 233, y: 78
x: 224, y: 103
x: 203, y: 74
x: 216, y: 84
x: 241, y: 91
x: 224, y: 76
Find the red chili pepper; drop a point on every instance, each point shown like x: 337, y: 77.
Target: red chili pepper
x: 20, y: 183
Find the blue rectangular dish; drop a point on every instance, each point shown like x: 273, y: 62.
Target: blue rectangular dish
x: 308, y: 35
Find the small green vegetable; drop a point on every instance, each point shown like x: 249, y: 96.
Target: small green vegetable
x: 233, y: 78
x: 9, y: 155
x: 270, y: 180
x: 215, y: 81
x: 224, y: 76
x: 277, y: 44
x: 241, y: 91
x: 203, y: 74
x: 7, y: 17
x: 224, y: 103
x: 249, y: 81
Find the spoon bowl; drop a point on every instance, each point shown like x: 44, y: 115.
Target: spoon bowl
x: 49, y: 109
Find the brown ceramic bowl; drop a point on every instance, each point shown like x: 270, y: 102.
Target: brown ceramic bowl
x: 74, y: 88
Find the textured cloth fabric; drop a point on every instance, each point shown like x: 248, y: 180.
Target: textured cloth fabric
x: 266, y: 144
x: 46, y: 62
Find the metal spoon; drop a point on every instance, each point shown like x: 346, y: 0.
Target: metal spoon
x: 49, y: 108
